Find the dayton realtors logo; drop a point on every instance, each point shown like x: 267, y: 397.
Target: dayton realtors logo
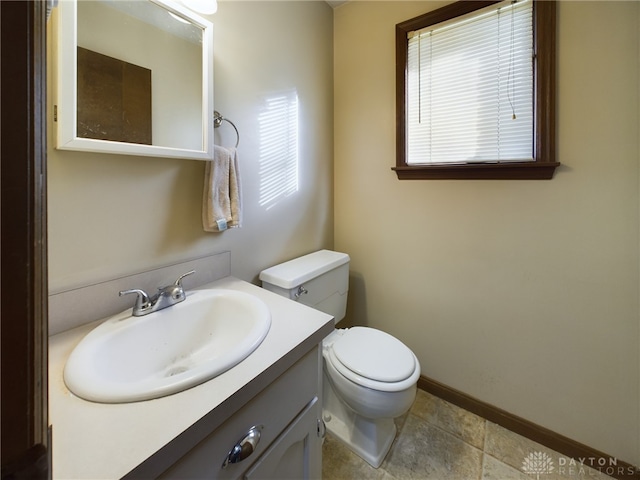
x: 538, y: 463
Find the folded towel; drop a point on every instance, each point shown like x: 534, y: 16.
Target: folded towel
x: 222, y: 199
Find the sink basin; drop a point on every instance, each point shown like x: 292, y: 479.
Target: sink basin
x: 128, y: 359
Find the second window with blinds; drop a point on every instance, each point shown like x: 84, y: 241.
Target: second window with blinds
x: 475, y: 91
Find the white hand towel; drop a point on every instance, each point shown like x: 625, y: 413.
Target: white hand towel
x: 222, y: 199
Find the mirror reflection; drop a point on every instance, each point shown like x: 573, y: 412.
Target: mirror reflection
x: 140, y: 73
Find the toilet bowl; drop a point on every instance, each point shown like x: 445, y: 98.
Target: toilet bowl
x: 370, y: 377
x: 360, y: 410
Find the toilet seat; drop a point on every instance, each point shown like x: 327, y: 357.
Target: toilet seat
x: 374, y: 359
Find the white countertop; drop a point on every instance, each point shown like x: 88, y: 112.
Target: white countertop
x: 107, y: 441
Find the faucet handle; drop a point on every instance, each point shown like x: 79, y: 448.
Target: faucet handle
x: 178, y: 282
x: 142, y: 301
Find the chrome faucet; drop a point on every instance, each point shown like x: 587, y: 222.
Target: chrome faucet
x: 166, y: 297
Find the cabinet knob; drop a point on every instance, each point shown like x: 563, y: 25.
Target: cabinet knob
x: 245, y: 446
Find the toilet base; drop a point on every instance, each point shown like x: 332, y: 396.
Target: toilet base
x: 369, y: 439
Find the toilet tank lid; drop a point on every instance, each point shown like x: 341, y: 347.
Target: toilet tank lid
x: 295, y: 272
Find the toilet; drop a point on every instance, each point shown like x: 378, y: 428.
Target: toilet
x: 370, y: 377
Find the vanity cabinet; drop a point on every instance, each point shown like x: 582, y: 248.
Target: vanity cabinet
x: 287, y: 413
x: 190, y: 433
x: 296, y: 453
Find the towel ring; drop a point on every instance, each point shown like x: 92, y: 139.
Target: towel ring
x: 217, y: 121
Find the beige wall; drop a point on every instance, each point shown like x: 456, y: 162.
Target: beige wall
x: 112, y: 215
x: 523, y: 294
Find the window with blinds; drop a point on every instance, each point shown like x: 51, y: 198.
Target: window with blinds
x: 475, y: 91
x: 470, y: 88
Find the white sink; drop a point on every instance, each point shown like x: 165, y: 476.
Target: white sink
x: 128, y: 359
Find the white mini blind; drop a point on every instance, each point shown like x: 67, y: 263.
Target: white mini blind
x: 470, y: 88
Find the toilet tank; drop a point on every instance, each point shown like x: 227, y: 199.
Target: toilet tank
x: 323, y: 275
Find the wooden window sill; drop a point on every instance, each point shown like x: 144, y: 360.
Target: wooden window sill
x: 479, y: 171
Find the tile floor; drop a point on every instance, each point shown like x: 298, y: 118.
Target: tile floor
x: 439, y: 441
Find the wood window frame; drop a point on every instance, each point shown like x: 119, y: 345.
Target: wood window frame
x: 544, y: 156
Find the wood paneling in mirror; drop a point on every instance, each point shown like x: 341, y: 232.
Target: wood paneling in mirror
x: 114, y: 99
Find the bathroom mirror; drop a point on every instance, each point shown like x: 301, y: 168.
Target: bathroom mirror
x: 134, y: 77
